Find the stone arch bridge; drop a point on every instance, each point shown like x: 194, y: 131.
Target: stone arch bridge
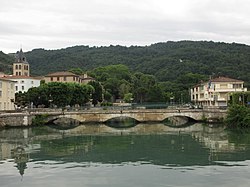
x: 143, y: 115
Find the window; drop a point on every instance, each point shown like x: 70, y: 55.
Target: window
x: 58, y: 78
x: 16, y: 88
x: 16, y: 73
x: 0, y: 93
x: 51, y: 78
x: 20, y: 67
x: 32, y: 82
x: 1, y: 84
x: 223, y: 86
x: 22, y: 81
x: 16, y: 66
x: 65, y: 78
x: 237, y: 86
x: 22, y: 87
x: 19, y: 73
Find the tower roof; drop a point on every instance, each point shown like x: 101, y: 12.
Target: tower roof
x: 20, y: 57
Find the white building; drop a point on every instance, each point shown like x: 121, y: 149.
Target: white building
x: 24, y: 83
x: 215, y: 92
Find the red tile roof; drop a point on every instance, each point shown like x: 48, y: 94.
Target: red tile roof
x: 20, y: 77
x: 61, y: 73
x: 225, y: 79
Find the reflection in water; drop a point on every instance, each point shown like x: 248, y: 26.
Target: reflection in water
x: 20, y: 158
x: 121, y: 122
x: 99, y: 147
x: 179, y: 121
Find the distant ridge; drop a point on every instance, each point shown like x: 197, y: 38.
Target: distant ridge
x: 166, y: 60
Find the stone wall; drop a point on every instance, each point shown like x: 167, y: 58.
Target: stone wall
x: 16, y: 120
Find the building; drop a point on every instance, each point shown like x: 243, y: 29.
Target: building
x: 7, y: 94
x: 21, y: 74
x: 24, y: 83
x: 21, y: 65
x: 66, y: 76
x: 215, y: 92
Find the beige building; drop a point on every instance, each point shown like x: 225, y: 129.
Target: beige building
x: 66, y: 76
x: 215, y: 92
x: 7, y: 94
x: 21, y: 66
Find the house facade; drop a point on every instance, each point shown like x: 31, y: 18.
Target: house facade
x: 7, y: 94
x: 216, y: 92
x: 67, y: 77
x: 24, y: 83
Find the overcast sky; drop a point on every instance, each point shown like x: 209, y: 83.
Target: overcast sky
x: 55, y: 24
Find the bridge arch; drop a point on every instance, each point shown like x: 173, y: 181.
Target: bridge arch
x: 121, y: 122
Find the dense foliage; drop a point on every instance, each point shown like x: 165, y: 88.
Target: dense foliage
x: 238, y: 116
x: 6, y: 62
x: 56, y: 94
x: 166, y: 61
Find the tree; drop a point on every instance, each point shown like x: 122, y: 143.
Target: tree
x: 97, y: 94
x: 238, y: 116
x: 141, y: 84
x: 60, y: 94
x: 128, y: 97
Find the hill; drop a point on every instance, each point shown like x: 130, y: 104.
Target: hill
x: 6, y: 62
x: 167, y: 61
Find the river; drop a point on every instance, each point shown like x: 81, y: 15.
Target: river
x: 146, y: 155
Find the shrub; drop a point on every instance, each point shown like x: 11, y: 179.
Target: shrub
x: 238, y: 116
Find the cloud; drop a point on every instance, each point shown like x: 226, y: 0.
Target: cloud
x: 62, y: 23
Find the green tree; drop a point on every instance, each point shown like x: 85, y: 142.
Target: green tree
x: 238, y: 116
x: 141, y: 85
x: 97, y: 94
x: 128, y: 97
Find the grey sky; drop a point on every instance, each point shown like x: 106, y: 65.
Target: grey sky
x: 53, y: 24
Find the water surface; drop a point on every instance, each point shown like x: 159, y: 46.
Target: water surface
x: 145, y: 155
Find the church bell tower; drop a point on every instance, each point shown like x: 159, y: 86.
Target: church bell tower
x: 21, y: 65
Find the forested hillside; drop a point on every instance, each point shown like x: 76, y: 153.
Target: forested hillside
x: 167, y: 61
x: 148, y: 74
x: 6, y: 62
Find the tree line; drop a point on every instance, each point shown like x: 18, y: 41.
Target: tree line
x: 167, y: 61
